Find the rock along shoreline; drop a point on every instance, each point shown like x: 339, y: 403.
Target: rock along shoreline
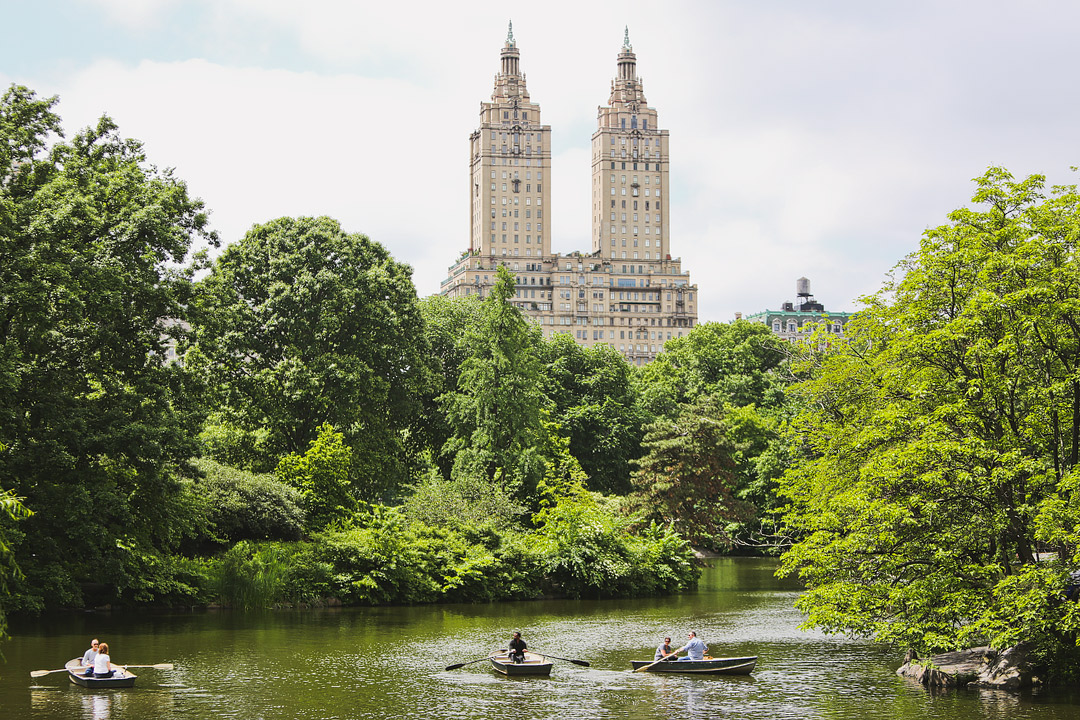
x: 980, y: 667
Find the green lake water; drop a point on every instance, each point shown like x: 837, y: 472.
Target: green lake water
x: 388, y: 662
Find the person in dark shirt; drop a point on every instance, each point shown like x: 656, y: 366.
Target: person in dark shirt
x: 517, y: 648
x: 664, y: 650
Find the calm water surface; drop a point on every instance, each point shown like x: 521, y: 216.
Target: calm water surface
x: 388, y: 662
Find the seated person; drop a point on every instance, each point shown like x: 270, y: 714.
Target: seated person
x: 88, y: 657
x: 695, y: 648
x: 103, y: 666
x: 517, y: 648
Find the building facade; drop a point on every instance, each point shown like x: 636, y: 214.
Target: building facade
x: 627, y: 292
x: 795, y: 321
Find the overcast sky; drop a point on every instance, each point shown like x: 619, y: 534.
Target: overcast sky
x: 808, y: 138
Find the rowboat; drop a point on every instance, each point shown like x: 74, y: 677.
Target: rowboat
x: 708, y: 666
x: 120, y: 679
x: 534, y: 664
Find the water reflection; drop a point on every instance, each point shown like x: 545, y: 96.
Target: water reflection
x: 97, y: 706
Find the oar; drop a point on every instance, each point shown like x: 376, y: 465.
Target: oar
x: 582, y: 663
x: 39, y: 673
x: 159, y: 666
x: 657, y: 662
x: 461, y: 665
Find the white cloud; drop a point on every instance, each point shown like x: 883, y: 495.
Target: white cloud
x: 807, y: 139
x: 135, y: 14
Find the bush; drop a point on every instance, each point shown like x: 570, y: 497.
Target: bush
x: 241, y: 505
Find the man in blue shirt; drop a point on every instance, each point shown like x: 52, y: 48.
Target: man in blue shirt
x: 694, y: 647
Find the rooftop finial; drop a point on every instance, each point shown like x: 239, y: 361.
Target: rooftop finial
x: 510, y: 34
x: 626, y: 39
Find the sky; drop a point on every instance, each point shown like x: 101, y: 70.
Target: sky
x: 814, y: 139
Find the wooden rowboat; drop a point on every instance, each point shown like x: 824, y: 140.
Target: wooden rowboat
x: 708, y: 666
x: 120, y: 679
x: 534, y: 664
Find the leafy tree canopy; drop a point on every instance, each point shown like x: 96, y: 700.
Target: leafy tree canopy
x: 594, y: 402
x: 300, y: 324
x: 93, y: 419
x: 495, y: 411
x: 939, y: 508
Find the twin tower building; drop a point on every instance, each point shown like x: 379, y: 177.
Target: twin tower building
x: 628, y: 292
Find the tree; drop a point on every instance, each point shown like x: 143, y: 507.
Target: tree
x: 300, y: 324
x: 94, y: 420
x: 686, y: 479
x: 743, y: 366
x: 741, y: 362
x: 944, y: 438
x: 448, y: 327
x: 322, y: 476
x: 595, y: 403
x: 11, y: 509
x: 495, y: 409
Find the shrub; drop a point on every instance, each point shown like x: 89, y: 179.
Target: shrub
x: 241, y: 505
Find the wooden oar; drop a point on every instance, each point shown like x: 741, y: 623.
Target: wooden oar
x: 159, y: 666
x: 39, y: 673
x: 461, y: 665
x: 656, y: 662
x: 582, y: 663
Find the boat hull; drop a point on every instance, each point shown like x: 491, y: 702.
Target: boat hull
x: 711, y: 666
x: 120, y: 679
x: 534, y: 665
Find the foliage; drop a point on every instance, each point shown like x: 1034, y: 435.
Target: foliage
x: 94, y: 420
x: 251, y: 576
x: 686, y: 479
x: 448, y: 326
x: 743, y: 366
x: 594, y: 401
x: 495, y: 409
x: 300, y: 324
x: 11, y: 509
x: 462, y: 502
x: 740, y: 362
x: 153, y: 577
x: 241, y: 505
x: 945, y: 437
x: 377, y: 561
x: 587, y: 552
x: 322, y: 476
x: 231, y: 445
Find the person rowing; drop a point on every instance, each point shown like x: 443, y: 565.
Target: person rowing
x: 517, y: 648
x: 694, y: 647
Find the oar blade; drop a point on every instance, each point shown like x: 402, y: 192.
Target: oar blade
x: 39, y: 673
x: 455, y: 667
x: 163, y: 666
x: 582, y: 663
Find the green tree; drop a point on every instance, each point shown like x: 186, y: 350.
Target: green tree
x: 300, y: 324
x: 743, y: 367
x: 321, y: 475
x: 94, y: 420
x: 10, y: 510
x: 686, y: 479
x: 944, y: 438
x: 448, y: 325
x: 741, y: 362
x: 495, y: 410
x: 594, y: 401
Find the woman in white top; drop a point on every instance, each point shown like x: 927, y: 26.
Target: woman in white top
x: 103, y: 666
